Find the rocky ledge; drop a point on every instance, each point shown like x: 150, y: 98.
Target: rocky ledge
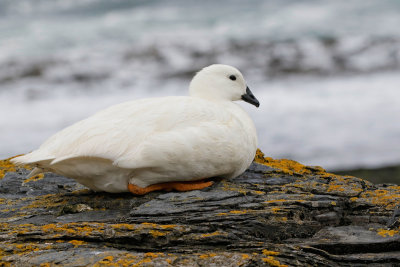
x: 278, y: 213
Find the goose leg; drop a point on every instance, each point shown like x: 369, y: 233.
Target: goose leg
x: 178, y: 186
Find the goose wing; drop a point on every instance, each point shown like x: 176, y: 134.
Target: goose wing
x: 146, y: 133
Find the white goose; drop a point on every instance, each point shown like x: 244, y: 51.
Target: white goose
x: 159, y: 143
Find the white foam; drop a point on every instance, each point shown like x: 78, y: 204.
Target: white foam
x: 336, y: 123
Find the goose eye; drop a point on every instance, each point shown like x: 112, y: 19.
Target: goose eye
x: 232, y: 77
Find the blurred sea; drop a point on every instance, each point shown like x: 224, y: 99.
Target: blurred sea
x: 327, y: 73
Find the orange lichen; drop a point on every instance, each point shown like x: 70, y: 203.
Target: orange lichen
x: 206, y: 256
x: 153, y: 255
x: 167, y: 226
x: 286, y: 165
x: 76, y: 229
x: 386, y: 198
x: 149, y: 224
x: 123, y: 260
x: 245, y: 256
x: 269, y: 252
x: 335, y: 187
x: 238, y: 211
x: 34, y: 178
x: 291, y: 167
x: 162, y: 226
x: 145, y: 260
x: 270, y: 259
x: 272, y: 262
x: 282, y: 219
x: 77, y: 243
x: 21, y: 248
x: 46, y: 201
x: 275, y: 200
x: 155, y: 233
x: 386, y: 233
x: 227, y: 186
x: 107, y: 259
x: 6, y: 166
x: 275, y: 210
x: 123, y: 226
x: 211, y: 234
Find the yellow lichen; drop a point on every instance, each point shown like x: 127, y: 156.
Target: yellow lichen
x: 238, y: 211
x: 285, y: 165
x: 275, y: 200
x: 77, y: 243
x: 269, y: 252
x: 34, y: 178
x: 162, y: 226
x: 281, y: 219
x: 7, y: 166
x: 270, y: 259
x: 275, y: 210
x: 335, y: 187
x: 149, y: 224
x: 273, y: 262
x: 386, y: 233
x: 46, y: 201
x: 388, y: 198
x: 291, y: 167
x: 123, y: 226
x: 245, y: 256
x: 155, y: 233
x: 76, y: 229
x: 20, y: 248
x: 206, y: 256
x: 153, y: 255
x: 107, y: 259
x: 167, y: 226
x: 211, y: 234
x: 227, y: 186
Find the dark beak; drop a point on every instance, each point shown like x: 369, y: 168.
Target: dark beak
x: 250, y: 98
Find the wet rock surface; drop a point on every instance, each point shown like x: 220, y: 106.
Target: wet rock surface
x: 277, y: 213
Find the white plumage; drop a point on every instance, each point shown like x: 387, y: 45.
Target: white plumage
x: 157, y: 140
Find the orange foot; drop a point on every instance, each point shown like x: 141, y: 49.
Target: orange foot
x: 179, y: 186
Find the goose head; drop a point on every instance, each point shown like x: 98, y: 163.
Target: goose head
x: 221, y: 82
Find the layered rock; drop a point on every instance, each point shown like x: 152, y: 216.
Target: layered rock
x: 278, y: 213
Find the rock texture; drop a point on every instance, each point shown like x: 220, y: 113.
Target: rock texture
x: 278, y: 213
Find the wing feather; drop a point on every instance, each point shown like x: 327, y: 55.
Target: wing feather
x: 148, y: 133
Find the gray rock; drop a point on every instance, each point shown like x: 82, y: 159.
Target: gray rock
x: 277, y: 213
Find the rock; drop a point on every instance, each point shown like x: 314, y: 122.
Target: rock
x: 278, y: 213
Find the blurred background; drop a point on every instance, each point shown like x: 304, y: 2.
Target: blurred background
x: 327, y: 73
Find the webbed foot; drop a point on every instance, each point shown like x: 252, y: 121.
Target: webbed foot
x: 178, y: 186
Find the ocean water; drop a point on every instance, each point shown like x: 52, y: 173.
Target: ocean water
x: 327, y: 73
